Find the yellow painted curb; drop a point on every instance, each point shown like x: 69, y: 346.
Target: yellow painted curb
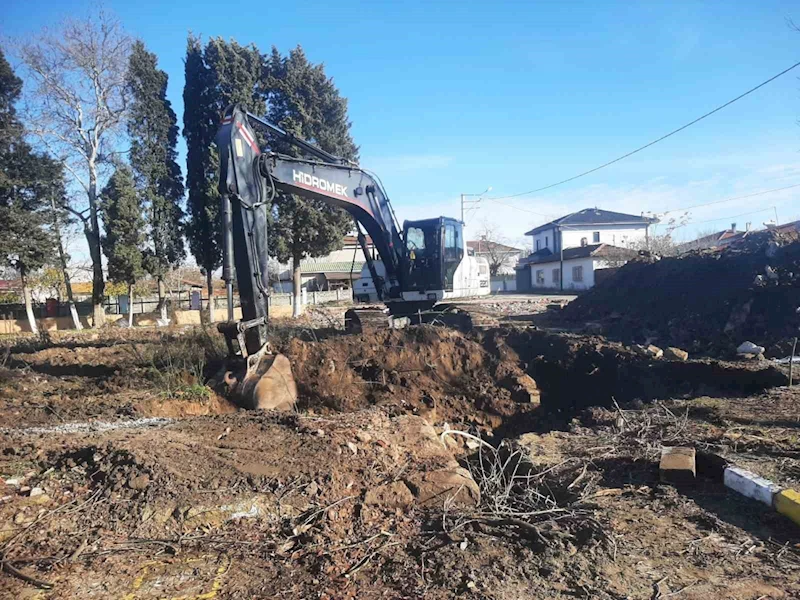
x: 787, y: 503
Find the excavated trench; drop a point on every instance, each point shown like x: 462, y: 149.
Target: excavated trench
x: 484, y: 377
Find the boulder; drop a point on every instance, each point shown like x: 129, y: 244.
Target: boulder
x: 749, y: 348
x: 673, y: 353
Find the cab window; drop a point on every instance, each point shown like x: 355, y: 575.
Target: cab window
x: 415, y: 238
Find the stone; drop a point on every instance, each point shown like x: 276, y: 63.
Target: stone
x: 139, y: 482
x: 649, y: 351
x: 37, y: 491
x: 524, y: 389
x: 749, y: 484
x: 15, y: 481
x: 454, y: 485
x: 363, y: 437
x: 750, y: 348
x: 677, y: 465
x: 672, y: 353
x: 392, y: 495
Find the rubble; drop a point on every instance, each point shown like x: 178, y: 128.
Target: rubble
x: 704, y: 301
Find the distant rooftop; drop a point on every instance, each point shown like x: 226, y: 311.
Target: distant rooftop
x: 594, y: 216
x: 599, y: 251
x: 487, y: 246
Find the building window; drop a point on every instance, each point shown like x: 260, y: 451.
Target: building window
x: 540, y: 277
x: 556, y: 276
x: 546, y: 242
x: 596, y: 237
x: 537, y: 244
x: 577, y: 273
x: 584, y: 241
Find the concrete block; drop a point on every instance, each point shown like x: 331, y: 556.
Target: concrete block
x: 750, y: 485
x: 787, y: 503
x: 677, y: 465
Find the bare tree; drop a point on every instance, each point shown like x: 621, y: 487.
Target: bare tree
x: 662, y: 243
x: 63, y: 258
x: 76, y: 105
x: 493, y: 246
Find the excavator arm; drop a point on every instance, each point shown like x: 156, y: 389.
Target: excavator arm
x: 249, y: 180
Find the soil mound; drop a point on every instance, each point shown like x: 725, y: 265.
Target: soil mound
x: 706, y: 301
x: 435, y: 372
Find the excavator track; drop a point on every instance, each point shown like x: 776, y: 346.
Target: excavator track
x: 367, y: 319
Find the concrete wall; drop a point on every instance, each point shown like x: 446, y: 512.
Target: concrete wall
x: 182, y: 317
x: 570, y: 283
x: 503, y: 284
x: 616, y: 235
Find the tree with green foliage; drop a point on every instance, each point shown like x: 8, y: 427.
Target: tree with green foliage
x: 305, y: 102
x: 121, y: 210
x: 220, y: 74
x: 153, y: 131
x: 27, y: 180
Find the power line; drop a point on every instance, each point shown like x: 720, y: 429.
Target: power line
x: 753, y: 212
x: 662, y: 138
x: 520, y: 208
x: 753, y: 195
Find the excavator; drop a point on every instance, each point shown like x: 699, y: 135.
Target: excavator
x: 420, y: 266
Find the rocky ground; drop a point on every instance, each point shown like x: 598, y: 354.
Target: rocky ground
x: 507, y: 462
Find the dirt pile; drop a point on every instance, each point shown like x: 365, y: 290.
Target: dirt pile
x: 706, y: 302
x: 434, y: 372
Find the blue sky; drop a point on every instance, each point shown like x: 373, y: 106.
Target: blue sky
x: 452, y: 97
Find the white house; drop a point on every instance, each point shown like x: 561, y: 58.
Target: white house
x: 583, y: 243
x: 592, y: 226
x: 335, y: 270
x: 502, y: 258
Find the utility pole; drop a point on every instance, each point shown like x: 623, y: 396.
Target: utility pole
x: 465, y: 203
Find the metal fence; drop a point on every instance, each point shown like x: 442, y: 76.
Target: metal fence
x: 149, y: 304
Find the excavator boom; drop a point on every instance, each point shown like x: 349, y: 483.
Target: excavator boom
x: 418, y: 267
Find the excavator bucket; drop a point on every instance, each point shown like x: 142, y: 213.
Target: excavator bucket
x: 266, y: 383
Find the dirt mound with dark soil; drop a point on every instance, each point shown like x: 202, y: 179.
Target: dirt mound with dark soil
x: 435, y: 372
x: 706, y: 302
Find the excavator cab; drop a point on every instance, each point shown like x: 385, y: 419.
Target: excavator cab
x: 433, y: 249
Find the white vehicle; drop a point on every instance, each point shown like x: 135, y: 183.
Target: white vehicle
x: 464, y: 274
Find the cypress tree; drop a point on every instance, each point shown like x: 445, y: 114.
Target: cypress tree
x: 153, y: 132
x: 223, y: 73
x: 306, y: 103
x: 121, y: 210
